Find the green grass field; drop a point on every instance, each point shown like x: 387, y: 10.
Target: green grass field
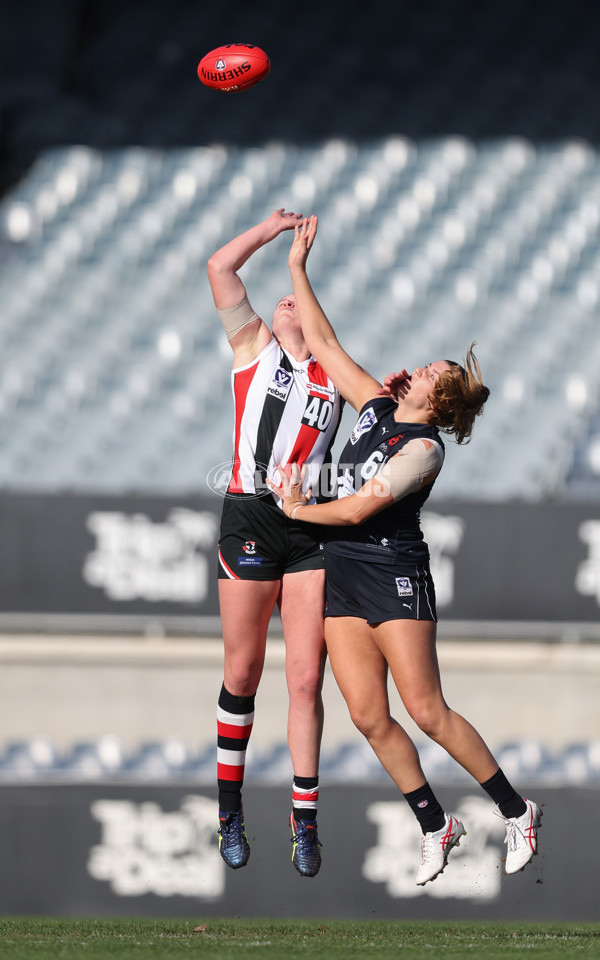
x: 25, y: 937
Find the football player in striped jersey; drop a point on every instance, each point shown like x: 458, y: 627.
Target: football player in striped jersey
x: 286, y: 410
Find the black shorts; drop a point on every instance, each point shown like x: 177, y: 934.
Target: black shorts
x: 377, y: 592
x: 258, y: 542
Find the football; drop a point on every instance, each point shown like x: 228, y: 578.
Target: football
x: 234, y: 67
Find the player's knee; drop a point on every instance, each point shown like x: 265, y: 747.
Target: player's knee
x: 242, y: 678
x: 369, y: 722
x: 428, y: 716
x: 306, y: 686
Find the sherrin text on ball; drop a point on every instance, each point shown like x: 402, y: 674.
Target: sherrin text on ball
x: 234, y: 67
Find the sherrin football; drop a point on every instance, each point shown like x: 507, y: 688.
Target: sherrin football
x: 233, y: 67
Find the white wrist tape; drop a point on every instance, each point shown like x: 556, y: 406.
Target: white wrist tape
x: 294, y: 511
x: 236, y: 318
x: 418, y: 461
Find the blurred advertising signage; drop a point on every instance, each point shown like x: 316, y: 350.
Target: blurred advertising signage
x: 158, y: 555
x: 137, y: 558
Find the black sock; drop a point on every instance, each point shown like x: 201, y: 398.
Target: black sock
x: 240, y: 705
x: 511, y: 804
x: 426, y: 808
x: 230, y: 801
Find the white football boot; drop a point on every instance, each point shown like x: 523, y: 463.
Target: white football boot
x: 521, y: 837
x: 435, y: 848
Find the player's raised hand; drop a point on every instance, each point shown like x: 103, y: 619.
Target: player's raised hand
x: 393, y: 382
x: 304, y: 235
x: 285, y: 219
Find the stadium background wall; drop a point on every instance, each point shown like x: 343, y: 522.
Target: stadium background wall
x: 151, y: 850
x: 134, y: 560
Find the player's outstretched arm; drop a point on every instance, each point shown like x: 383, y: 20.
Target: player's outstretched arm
x: 355, y: 384
x: 417, y: 464
x: 226, y: 286
x: 345, y: 512
x: 246, y: 332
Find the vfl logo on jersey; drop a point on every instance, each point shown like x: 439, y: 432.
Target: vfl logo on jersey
x: 280, y: 384
x: 404, y: 586
x: 249, y: 547
x: 363, y: 425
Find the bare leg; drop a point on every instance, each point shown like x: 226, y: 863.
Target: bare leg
x: 361, y: 672
x: 301, y: 606
x: 246, y: 607
x: 409, y: 648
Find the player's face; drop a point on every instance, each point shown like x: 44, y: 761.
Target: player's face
x: 417, y: 389
x: 285, y: 313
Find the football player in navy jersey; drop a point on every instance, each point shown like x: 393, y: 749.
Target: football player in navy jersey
x: 380, y: 610
x: 285, y: 409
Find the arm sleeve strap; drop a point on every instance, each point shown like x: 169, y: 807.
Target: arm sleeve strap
x: 406, y: 472
x: 236, y: 318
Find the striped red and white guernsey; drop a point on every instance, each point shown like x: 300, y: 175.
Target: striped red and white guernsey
x: 285, y: 411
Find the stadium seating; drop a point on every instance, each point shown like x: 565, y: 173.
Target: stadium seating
x: 116, y: 374
x: 526, y: 760
x: 352, y: 762
x: 28, y: 760
x: 172, y: 760
x: 156, y: 760
x: 581, y: 763
x: 91, y: 760
x: 271, y: 766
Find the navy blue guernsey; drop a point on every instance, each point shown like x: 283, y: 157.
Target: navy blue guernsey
x: 394, y: 533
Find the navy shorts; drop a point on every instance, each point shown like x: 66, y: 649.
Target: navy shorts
x: 258, y: 542
x: 377, y: 592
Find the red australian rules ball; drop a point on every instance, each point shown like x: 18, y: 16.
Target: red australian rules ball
x: 234, y: 67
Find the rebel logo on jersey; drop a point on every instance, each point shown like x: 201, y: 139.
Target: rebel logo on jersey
x: 404, y: 586
x: 280, y: 384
